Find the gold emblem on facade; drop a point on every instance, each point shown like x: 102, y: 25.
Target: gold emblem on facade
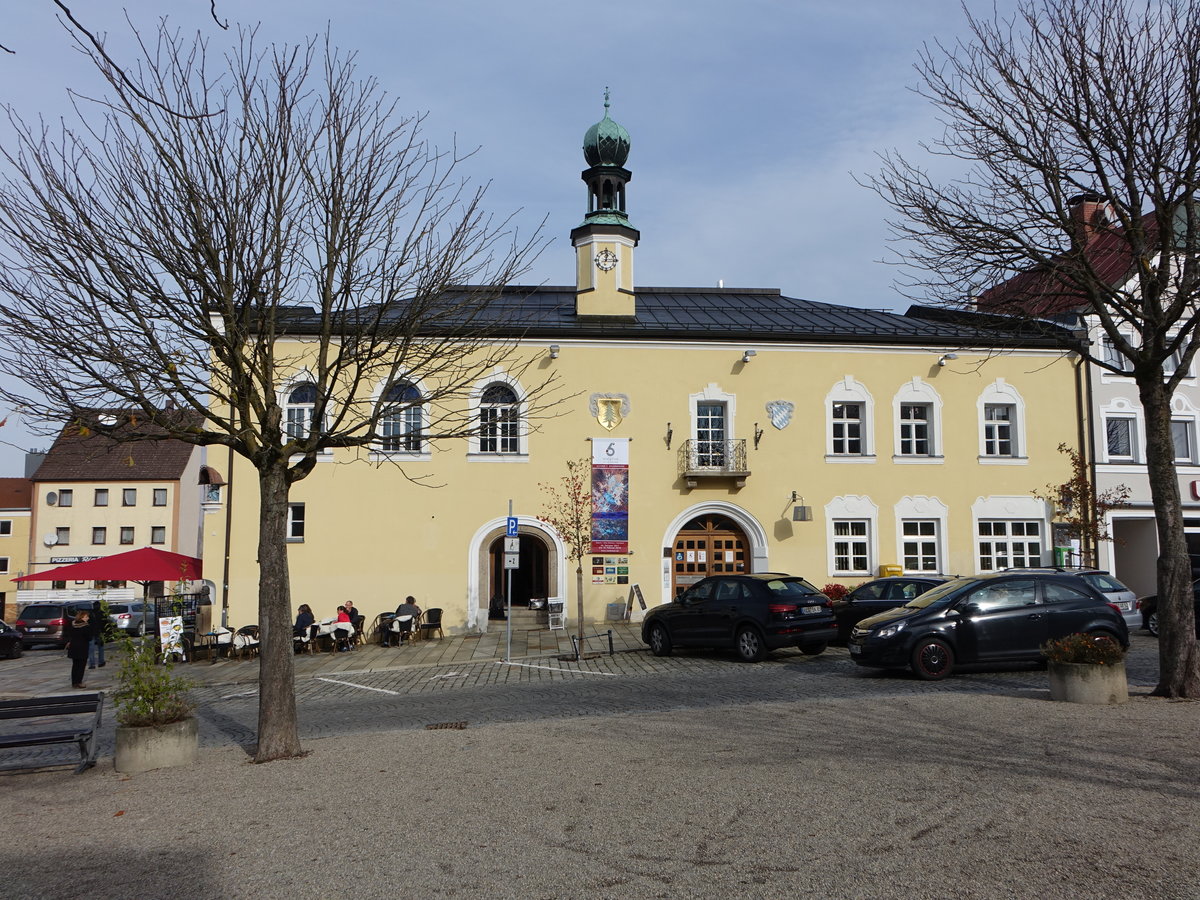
x: 610, y: 410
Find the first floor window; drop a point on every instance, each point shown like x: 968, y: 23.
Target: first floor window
x: 62, y: 537
x: 499, y: 419
x: 158, y: 534
x: 1181, y: 436
x: 920, y: 540
x: 5, y: 527
x: 400, y: 426
x: 126, y: 534
x: 1119, y: 434
x: 850, y: 546
x: 3, y: 565
x: 295, y: 523
x: 847, y: 429
x: 66, y: 498
x: 1005, y: 544
x: 998, y: 430
x: 299, y: 411
x: 914, y: 429
x: 710, y: 435
x: 99, y: 535
x: 129, y: 497
x: 101, y: 498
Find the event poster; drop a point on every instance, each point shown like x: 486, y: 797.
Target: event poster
x: 610, y: 496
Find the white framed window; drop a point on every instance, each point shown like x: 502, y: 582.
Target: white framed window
x: 127, y: 533
x: 999, y: 435
x: 849, y: 410
x: 158, y: 534
x: 4, y: 565
x: 1183, y: 436
x: 299, y: 410
x: 160, y: 497
x: 402, y: 423
x: 99, y: 535
x: 918, y: 422
x: 66, y: 497
x: 101, y: 497
x: 915, y: 429
x: 1120, y: 438
x: 711, y: 435
x: 1001, y: 425
x: 1009, y: 543
x: 921, y: 545
x: 852, y: 546
x: 295, y: 523
x: 499, y: 420
x: 1111, y: 355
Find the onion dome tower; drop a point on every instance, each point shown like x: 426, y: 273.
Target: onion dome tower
x: 604, y: 242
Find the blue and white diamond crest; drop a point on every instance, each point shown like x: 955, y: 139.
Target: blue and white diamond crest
x: 780, y: 412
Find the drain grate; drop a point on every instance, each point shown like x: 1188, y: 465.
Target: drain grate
x: 454, y: 726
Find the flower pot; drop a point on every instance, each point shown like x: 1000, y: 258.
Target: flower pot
x: 140, y: 749
x: 1088, y: 683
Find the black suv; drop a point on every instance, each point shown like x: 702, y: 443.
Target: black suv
x: 751, y: 613
x: 993, y: 618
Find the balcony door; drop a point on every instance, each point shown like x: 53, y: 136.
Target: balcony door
x: 710, y: 435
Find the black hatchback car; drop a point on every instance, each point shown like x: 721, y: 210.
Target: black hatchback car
x: 876, y: 596
x: 994, y: 618
x: 750, y: 613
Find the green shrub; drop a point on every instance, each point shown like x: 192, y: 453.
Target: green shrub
x: 1084, y: 648
x: 148, y: 693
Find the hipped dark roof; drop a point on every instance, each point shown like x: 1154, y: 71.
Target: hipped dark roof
x: 80, y: 454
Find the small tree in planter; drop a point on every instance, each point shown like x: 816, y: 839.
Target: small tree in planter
x: 1086, y: 668
x: 568, y: 508
x: 155, y: 725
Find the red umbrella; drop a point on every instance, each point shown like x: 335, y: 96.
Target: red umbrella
x: 146, y: 564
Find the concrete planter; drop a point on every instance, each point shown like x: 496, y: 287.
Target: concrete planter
x: 140, y: 749
x: 1088, y: 683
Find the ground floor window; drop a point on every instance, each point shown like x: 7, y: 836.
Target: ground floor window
x: 295, y: 523
x: 851, y: 547
x: 1005, y: 544
x: 921, y: 545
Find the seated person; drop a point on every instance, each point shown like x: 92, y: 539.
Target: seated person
x: 355, y: 615
x: 408, y: 608
x: 304, y: 620
x: 344, y: 630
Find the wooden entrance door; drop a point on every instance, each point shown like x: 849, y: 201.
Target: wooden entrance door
x: 708, y: 545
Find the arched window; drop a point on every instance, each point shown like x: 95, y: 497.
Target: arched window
x: 400, y: 426
x: 499, y: 420
x: 301, y: 403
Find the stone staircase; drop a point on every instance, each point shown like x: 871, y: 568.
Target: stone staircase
x: 523, y: 619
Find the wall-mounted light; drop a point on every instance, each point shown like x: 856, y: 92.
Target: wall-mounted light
x: 800, y: 512
x: 670, y: 433
x: 758, y: 433
x: 749, y: 353
x: 946, y: 357
x: 554, y: 348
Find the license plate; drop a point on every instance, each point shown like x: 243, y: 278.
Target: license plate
x: 1124, y: 605
x: 855, y: 649
x: 35, y: 629
x: 812, y: 610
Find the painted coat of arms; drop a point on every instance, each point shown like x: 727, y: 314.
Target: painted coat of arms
x: 780, y: 412
x: 610, y: 410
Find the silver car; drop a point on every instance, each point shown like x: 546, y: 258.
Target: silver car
x: 129, y: 618
x: 1114, y: 592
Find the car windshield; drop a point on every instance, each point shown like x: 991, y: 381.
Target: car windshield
x: 791, y: 588
x: 939, y: 593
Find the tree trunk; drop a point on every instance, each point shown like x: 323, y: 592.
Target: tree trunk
x: 278, y: 737
x: 1178, y: 660
x: 579, y: 601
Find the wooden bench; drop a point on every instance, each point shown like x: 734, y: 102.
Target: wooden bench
x: 83, y: 733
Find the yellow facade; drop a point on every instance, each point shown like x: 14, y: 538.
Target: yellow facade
x: 373, y: 536
x: 14, y: 555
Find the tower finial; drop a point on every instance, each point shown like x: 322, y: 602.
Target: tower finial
x: 606, y: 100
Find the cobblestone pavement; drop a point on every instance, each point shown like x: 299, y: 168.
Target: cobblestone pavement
x: 343, y: 701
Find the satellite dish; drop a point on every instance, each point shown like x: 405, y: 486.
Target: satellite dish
x: 51, y: 498
x: 50, y: 539
x: 108, y: 420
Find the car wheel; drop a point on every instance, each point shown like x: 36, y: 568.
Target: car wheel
x: 660, y: 641
x: 1098, y: 636
x: 17, y: 649
x: 814, y: 649
x: 932, y: 659
x: 1152, y: 623
x: 750, y: 646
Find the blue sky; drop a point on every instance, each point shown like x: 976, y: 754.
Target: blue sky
x: 746, y: 119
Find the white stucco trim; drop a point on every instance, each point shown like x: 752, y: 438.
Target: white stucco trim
x: 921, y: 507
x: 852, y: 506
x: 753, y: 529
x: 477, y: 616
x: 847, y: 390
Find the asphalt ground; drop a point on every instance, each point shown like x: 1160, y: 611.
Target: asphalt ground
x: 631, y: 776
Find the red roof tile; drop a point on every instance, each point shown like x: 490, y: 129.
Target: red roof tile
x: 81, y: 455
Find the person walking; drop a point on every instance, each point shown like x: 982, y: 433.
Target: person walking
x: 96, y: 647
x: 79, y: 638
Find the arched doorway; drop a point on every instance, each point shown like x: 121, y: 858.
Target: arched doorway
x: 709, y: 544
x: 531, y: 579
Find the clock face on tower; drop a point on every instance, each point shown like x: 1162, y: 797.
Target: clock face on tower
x: 605, y: 260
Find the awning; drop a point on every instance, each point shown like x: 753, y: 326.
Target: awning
x: 146, y: 564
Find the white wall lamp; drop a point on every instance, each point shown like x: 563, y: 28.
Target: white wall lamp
x: 946, y: 357
x: 747, y: 354
x: 554, y: 348
x: 800, y: 512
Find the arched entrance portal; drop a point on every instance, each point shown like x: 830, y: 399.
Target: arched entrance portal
x: 709, y: 544
x: 531, y: 579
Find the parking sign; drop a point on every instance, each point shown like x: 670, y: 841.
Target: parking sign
x: 511, y: 530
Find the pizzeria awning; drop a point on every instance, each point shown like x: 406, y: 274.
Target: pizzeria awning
x: 146, y: 564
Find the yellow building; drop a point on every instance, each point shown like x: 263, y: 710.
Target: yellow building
x: 15, y: 516
x: 761, y: 432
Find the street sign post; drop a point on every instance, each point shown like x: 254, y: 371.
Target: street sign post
x: 511, y: 527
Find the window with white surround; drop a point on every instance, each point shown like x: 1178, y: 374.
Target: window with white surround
x: 914, y: 430
x: 295, y: 522
x: 1005, y: 544
x: 499, y: 420
x: 918, y: 413
x: 401, y: 426
x: 1001, y: 425
x: 710, y: 435
x: 852, y: 535
x: 298, y: 411
x: 1119, y: 438
x: 850, y: 413
x: 4, y: 565
x: 5, y: 527
x: 1111, y: 355
x: 1182, y: 436
x: 921, y: 545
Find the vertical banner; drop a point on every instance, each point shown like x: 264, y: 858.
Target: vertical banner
x: 610, y: 495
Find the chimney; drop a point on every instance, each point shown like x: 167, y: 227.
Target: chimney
x: 1090, y: 215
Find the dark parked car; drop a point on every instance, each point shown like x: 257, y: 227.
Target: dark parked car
x: 879, y: 595
x: 10, y: 641
x: 997, y: 618
x: 45, y: 623
x: 751, y: 613
x: 1148, y: 607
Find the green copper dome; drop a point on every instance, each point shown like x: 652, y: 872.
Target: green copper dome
x: 606, y: 143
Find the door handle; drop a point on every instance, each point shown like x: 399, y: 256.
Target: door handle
x: 1036, y: 615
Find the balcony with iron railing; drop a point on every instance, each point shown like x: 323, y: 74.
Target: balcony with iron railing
x: 713, y: 459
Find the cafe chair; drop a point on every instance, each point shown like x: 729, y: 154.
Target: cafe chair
x: 358, y: 638
x: 304, y: 642
x: 431, y: 621
x: 245, y: 641
x: 400, y: 629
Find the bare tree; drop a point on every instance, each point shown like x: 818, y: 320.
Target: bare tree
x: 1082, y: 510
x: 568, y: 507
x: 1072, y: 130
x: 226, y: 226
